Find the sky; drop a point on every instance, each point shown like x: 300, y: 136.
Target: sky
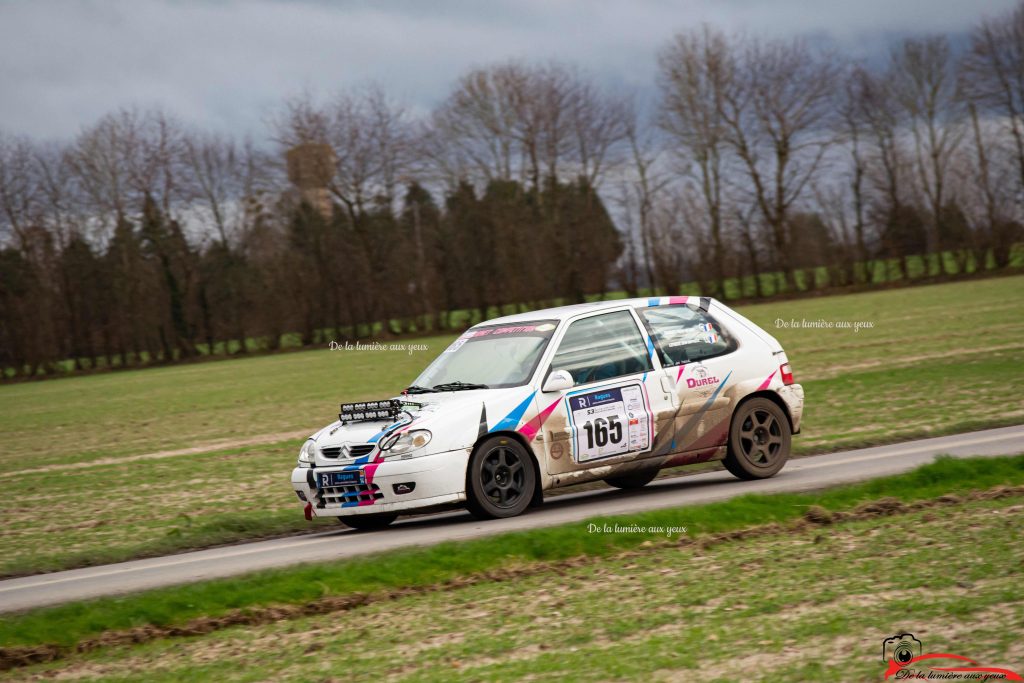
x: 226, y: 65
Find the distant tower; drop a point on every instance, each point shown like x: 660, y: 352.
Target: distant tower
x: 310, y: 169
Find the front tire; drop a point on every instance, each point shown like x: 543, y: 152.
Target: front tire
x: 759, y: 440
x: 500, y: 479
x: 374, y: 522
x: 633, y: 480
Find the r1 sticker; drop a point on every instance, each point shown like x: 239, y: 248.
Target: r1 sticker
x: 609, y: 422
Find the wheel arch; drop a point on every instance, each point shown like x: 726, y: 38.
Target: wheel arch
x: 538, y: 490
x: 774, y: 398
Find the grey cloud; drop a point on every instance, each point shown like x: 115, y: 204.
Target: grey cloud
x: 225, y: 65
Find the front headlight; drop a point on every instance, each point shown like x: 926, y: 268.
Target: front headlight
x: 307, y: 454
x: 406, y: 442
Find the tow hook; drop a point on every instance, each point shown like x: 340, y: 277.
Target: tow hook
x: 308, y: 511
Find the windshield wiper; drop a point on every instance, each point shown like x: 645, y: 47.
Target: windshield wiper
x: 416, y: 389
x: 458, y: 386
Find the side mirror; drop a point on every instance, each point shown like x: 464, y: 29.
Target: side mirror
x: 558, y: 380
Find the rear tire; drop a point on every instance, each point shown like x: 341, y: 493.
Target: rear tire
x: 633, y: 480
x: 500, y: 479
x: 759, y: 440
x: 381, y: 520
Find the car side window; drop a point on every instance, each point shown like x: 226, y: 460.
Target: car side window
x: 682, y: 334
x: 602, y: 347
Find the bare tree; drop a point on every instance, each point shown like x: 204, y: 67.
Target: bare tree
x: 19, y: 191
x: 125, y: 157
x: 993, y: 73
x: 778, y: 123
x: 599, y: 124
x: 698, y: 72
x: 223, y: 180
x: 673, y: 253
x: 530, y: 124
x: 370, y: 135
x: 985, y: 172
x: 643, y: 187
x: 372, y: 140
x: 843, y: 260
x: 477, y: 123
x: 923, y: 78
x: 889, y: 163
x: 854, y: 130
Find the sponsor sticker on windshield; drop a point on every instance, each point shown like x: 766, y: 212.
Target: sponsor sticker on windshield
x: 529, y: 329
x: 457, y: 344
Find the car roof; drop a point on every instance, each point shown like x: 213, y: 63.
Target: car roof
x: 564, y: 312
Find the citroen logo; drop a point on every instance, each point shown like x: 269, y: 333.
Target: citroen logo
x: 345, y: 451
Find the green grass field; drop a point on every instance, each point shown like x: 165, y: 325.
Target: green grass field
x: 789, y: 602
x: 76, y: 454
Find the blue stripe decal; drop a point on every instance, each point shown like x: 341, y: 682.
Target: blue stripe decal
x: 718, y: 389
x: 650, y: 354
x: 384, y: 432
x: 511, y: 421
x: 653, y: 301
x: 693, y: 420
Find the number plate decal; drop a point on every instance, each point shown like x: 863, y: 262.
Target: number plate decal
x: 610, y: 422
x: 343, y: 478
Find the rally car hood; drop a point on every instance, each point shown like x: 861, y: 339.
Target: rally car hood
x: 456, y: 419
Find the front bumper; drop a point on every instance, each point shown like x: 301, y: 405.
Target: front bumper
x: 793, y: 395
x: 433, y: 479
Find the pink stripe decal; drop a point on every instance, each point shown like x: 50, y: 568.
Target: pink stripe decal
x: 682, y: 369
x: 380, y: 454
x: 370, y: 469
x: 677, y: 299
x: 530, y: 429
x: 764, y: 384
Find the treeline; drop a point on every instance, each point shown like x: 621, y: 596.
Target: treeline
x: 144, y: 240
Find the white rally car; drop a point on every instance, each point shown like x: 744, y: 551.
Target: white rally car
x: 518, y: 405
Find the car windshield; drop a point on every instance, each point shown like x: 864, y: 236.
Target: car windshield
x: 494, y: 356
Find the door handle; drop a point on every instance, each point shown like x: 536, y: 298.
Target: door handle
x: 670, y: 393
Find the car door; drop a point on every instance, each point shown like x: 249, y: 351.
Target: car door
x: 699, y: 355
x: 611, y: 414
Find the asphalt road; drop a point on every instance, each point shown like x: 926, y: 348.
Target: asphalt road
x: 799, y: 475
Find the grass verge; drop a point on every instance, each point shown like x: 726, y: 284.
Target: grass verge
x: 69, y: 625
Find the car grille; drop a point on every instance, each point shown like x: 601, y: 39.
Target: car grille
x: 355, y: 451
x: 350, y: 493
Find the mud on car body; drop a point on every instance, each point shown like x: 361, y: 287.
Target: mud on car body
x: 519, y: 405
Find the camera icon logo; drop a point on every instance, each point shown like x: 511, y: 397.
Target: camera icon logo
x: 901, y: 648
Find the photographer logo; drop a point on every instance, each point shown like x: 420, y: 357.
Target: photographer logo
x: 903, y: 654
x: 901, y: 649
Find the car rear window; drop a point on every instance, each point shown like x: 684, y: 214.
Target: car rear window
x: 682, y: 333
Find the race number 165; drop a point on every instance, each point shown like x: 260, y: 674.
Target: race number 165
x: 603, y: 431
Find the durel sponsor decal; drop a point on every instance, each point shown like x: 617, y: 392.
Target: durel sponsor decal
x: 692, y: 382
